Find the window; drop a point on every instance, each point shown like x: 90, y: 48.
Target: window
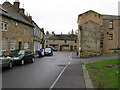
x: 66, y: 47
x: 34, y: 31
x: 1, y: 26
x: 39, y: 33
x: 26, y: 45
x: 75, y: 47
x: 101, y: 44
x: 111, y: 24
x: 110, y: 36
x: 53, y: 41
x: 12, y: 44
x: 75, y: 41
x: 65, y: 41
x: 25, y: 31
x: 4, y: 26
x: 4, y: 44
x: 39, y: 45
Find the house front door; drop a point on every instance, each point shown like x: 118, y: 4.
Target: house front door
x: 20, y: 45
x: 71, y: 48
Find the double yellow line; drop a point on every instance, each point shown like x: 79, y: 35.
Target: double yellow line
x: 61, y: 72
x: 70, y: 56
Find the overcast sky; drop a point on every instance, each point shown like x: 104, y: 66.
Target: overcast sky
x: 61, y: 15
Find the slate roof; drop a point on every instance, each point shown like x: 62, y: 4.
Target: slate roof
x: 63, y: 37
x: 113, y: 17
x: 9, y: 13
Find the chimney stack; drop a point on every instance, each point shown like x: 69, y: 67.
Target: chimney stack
x: 16, y: 5
x: 22, y: 11
x: 53, y: 33
x: 47, y: 33
x: 72, y: 32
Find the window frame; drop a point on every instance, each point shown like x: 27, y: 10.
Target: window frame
x: 26, y: 45
x: 13, y: 43
x: 110, y: 24
x: 5, y: 45
x: 4, y: 26
x: 110, y: 37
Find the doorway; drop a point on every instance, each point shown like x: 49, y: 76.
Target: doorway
x: 60, y: 48
x: 71, y: 48
x: 20, y: 45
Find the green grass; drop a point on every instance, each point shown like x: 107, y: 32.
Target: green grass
x: 103, y: 75
x: 110, y: 53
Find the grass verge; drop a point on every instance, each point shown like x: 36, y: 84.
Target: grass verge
x: 104, y: 74
x: 111, y: 53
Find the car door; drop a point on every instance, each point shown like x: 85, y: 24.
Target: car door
x: 29, y: 55
x: 26, y: 57
x: 5, y: 61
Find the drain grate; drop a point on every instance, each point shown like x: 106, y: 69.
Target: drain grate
x: 62, y: 65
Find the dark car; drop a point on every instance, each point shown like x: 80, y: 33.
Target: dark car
x: 22, y: 56
x: 6, y: 61
x: 48, y: 51
x: 54, y: 49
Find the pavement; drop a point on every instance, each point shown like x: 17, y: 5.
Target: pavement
x: 72, y: 77
x: 75, y: 74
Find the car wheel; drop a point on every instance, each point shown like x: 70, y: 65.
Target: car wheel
x: 22, y: 62
x: 32, y: 60
x: 10, y: 65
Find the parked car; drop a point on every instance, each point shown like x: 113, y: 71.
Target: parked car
x: 48, y: 51
x: 22, y: 56
x: 54, y: 49
x: 6, y: 61
x: 41, y: 52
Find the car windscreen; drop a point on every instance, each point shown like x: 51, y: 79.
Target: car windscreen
x: 47, y: 49
x: 14, y: 53
x: 21, y: 52
x: 17, y: 52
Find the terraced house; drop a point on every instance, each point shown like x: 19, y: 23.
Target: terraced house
x: 97, y: 33
x: 17, y: 29
x: 62, y: 42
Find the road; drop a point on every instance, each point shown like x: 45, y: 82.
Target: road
x: 40, y: 74
x: 44, y: 72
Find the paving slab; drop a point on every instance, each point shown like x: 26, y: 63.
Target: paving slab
x: 72, y: 77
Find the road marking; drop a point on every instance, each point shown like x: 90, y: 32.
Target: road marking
x: 61, y: 73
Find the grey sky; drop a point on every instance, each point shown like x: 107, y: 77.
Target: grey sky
x: 61, y: 15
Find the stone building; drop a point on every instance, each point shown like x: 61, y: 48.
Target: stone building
x: 38, y: 39
x: 63, y: 42
x: 17, y: 29
x: 97, y: 33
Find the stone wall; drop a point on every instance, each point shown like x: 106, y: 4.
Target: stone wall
x: 16, y: 30
x: 90, y: 39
